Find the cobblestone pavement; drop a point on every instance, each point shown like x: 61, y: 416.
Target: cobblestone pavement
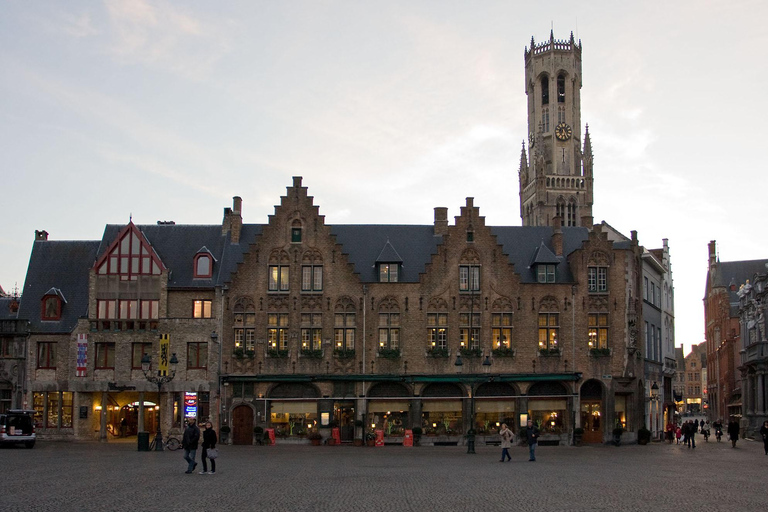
x: 115, y: 476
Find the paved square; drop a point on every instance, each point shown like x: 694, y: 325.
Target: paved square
x: 114, y: 476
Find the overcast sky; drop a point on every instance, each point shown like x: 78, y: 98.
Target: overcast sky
x: 165, y: 110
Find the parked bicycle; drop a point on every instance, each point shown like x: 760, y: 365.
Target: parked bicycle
x: 171, y: 443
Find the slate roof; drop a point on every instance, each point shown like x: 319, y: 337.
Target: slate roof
x: 60, y: 265
x: 737, y: 272
x: 415, y: 244
x: 5, y: 309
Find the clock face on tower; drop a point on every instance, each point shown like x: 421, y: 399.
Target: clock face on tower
x: 563, y: 131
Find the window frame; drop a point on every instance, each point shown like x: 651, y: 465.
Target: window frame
x: 277, y: 331
x: 597, y: 332
x: 501, y: 326
x: 389, y: 330
x: 550, y: 327
x: 545, y: 273
x: 279, y: 279
x: 469, y: 278
x: 465, y: 340
x: 56, y: 314
x: 437, y: 330
x: 146, y: 348
x: 50, y: 355
x: 344, y: 327
x: 200, y: 347
x: 197, y: 273
x: 310, y: 275
x: 201, y: 313
x: 311, y: 331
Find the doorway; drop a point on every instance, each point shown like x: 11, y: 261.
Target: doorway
x: 591, y: 421
x: 242, y: 425
x: 344, y: 415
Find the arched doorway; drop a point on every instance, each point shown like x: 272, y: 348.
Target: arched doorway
x: 592, y: 414
x: 242, y: 425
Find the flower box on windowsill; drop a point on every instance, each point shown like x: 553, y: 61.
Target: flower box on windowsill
x: 503, y: 352
x: 389, y: 353
x: 344, y: 353
x: 470, y: 352
x: 438, y: 352
x: 277, y: 353
x: 549, y: 352
x: 250, y: 354
x: 312, y: 354
x: 599, y: 352
x: 238, y: 353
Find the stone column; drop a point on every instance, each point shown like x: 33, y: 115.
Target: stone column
x: 103, y: 418
x: 760, y: 393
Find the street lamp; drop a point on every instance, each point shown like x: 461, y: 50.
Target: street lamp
x: 655, y: 392
x: 146, y: 364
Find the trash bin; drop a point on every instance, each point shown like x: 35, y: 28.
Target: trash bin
x: 143, y: 441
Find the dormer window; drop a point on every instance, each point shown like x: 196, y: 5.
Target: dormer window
x: 129, y: 256
x: 545, y: 273
x: 51, y: 305
x: 203, y: 266
x: 389, y: 272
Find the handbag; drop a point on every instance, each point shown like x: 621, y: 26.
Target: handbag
x: 212, y: 453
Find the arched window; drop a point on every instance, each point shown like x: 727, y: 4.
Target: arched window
x: 203, y: 265
x: 561, y: 88
x: 51, y: 307
x: 545, y: 90
x: 571, y: 213
x: 560, y: 209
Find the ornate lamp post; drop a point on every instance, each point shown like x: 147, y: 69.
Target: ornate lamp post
x: 146, y: 364
x: 655, y: 399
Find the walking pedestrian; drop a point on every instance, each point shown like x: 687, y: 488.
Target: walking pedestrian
x: 733, y: 431
x: 532, y: 435
x: 209, y: 449
x: 687, y: 433
x: 764, y: 434
x: 678, y: 434
x: 696, y: 423
x: 506, y: 442
x: 692, y: 434
x: 189, y: 443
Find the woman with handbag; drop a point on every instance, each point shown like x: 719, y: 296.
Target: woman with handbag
x: 209, y: 449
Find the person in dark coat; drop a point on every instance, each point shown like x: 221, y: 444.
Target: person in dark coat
x: 764, y: 435
x: 532, y: 435
x: 733, y: 431
x: 189, y: 443
x: 209, y: 443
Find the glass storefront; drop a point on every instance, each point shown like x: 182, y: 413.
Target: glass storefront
x: 490, y: 414
x: 441, y: 417
x: 391, y: 416
x: 293, y: 418
x: 549, y: 414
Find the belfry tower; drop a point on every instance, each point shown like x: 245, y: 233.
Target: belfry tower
x: 556, y: 173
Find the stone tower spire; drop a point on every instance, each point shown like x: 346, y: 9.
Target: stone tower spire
x: 563, y: 185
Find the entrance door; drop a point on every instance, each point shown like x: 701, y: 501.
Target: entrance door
x: 591, y: 421
x: 242, y: 425
x: 344, y: 414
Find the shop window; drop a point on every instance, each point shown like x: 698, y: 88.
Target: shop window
x: 491, y: 414
x: 548, y: 414
x: 293, y: 418
x: 621, y: 418
x: 442, y: 417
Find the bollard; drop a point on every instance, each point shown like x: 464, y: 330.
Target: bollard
x: 471, y: 440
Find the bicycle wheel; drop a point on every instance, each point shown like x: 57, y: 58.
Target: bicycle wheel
x: 173, y: 444
x: 152, y: 446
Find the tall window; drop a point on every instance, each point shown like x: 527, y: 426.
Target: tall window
x: 344, y: 331
x: 245, y: 321
x: 437, y: 329
x: 129, y: 257
x: 571, y: 220
x: 312, y: 278
x: 469, y: 278
x: 389, y: 330
x: 560, y: 114
x: 549, y: 327
x: 561, y: 88
x: 469, y: 330
x: 105, y: 356
x: 137, y: 352
x: 278, y: 278
x: 545, y: 273
x: 201, y: 309
x: 46, y: 355
x: 501, y: 324
x: 645, y: 288
x: 545, y: 90
x: 597, y: 279
x: 311, y: 331
x: 598, y: 330
x: 197, y: 355
x: 277, y: 331
x: 389, y: 272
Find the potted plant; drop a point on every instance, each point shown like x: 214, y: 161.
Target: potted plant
x: 578, y: 433
x: 643, y: 436
x: 617, y: 431
x: 416, y: 435
x: 258, y: 434
x: 239, y: 353
x: 370, y: 438
x: 315, y: 438
x: 224, y: 432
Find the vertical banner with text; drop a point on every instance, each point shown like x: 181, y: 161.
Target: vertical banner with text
x: 165, y: 350
x: 82, y: 355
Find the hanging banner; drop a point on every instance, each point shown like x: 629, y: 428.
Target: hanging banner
x: 82, y: 355
x: 165, y: 355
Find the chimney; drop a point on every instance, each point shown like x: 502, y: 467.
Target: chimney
x: 441, y: 220
x: 557, y: 235
x: 236, y: 223
x: 586, y: 221
x: 712, y: 253
x: 41, y: 235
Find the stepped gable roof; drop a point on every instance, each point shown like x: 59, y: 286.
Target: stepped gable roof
x: 363, y: 246
x: 524, y: 243
x: 63, y: 265
x: 178, y: 244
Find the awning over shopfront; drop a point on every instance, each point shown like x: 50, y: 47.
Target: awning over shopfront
x: 441, y: 406
x: 294, y: 407
x: 494, y: 406
x: 388, y: 405
x: 540, y: 404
